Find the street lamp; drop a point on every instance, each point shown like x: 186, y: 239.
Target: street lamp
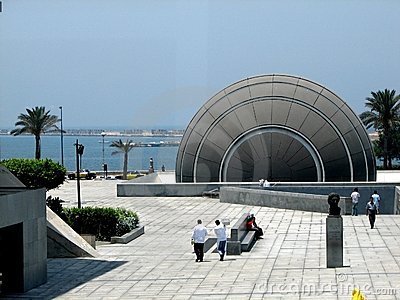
x: 103, y: 134
x: 79, y: 152
x: 62, y: 138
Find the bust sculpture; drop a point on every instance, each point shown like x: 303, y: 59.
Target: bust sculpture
x: 333, y: 201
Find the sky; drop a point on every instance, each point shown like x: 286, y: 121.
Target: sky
x: 153, y: 64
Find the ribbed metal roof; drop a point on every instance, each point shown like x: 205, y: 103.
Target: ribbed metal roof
x: 276, y: 127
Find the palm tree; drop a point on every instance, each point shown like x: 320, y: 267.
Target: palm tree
x: 37, y: 121
x: 123, y: 148
x: 383, y: 114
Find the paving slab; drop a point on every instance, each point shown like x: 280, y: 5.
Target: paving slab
x: 289, y: 263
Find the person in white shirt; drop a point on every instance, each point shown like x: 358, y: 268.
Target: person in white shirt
x: 377, y: 200
x: 198, y: 239
x: 371, y: 212
x: 220, y: 232
x: 266, y: 184
x: 355, y: 196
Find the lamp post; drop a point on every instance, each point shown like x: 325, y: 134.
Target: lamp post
x: 104, y: 166
x: 79, y: 152
x: 62, y: 138
x: 103, y: 135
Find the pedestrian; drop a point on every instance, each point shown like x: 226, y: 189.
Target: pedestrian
x: 198, y: 239
x: 220, y: 232
x: 355, y: 196
x: 377, y: 200
x: 371, y: 211
x: 261, y: 182
x: 266, y: 184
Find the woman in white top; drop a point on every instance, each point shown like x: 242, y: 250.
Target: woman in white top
x: 220, y: 232
x: 355, y: 195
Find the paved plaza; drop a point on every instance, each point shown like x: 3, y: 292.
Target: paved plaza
x: 289, y: 263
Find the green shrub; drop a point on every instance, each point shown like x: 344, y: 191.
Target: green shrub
x: 36, y: 173
x: 55, y: 205
x: 101, y: 222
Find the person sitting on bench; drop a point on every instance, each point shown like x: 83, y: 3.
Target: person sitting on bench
x: 252, y: 226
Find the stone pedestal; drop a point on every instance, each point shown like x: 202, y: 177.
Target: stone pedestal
x: 334, y: 241
x: 90, y: 239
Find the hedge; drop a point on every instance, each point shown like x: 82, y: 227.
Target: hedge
x: 36, y: 173
x: 101, y: 222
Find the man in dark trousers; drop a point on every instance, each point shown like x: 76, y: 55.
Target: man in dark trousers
x: 371, y: 211
x: 198, y: 239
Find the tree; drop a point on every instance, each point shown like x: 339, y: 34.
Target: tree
x: 37, y: 122
x: 123, y: 148
x: 393, y: 143
x: 383, y: 114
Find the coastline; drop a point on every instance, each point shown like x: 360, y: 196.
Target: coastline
x: 113, y: 133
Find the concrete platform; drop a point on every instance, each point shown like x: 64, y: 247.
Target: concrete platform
x: 289, y: 263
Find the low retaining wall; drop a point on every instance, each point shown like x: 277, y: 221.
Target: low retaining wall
x: 344, y: 189
x: 130, y: 189
x: 389, y: 204
x: 63, y: 241
x: 129, y: 236
x: 283, y: 200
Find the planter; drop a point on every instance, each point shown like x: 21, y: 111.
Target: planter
x: 129, y: 236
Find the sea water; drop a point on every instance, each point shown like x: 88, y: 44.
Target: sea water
x: 23, y: 146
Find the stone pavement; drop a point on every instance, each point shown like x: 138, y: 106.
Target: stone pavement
x: 289, y: 263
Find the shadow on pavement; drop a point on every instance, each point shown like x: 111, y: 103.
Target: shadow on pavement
x: 65, y: 274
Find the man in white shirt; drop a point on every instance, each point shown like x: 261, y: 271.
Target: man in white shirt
x: 371, y: 212
x: 355, y: 195
x: 198, y: 239
x: 377, y: 200
x: 220, y: 232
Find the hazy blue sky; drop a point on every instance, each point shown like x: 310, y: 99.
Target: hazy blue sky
x: 153, y: 64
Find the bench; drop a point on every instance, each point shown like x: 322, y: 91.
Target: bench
x: 241, y: 240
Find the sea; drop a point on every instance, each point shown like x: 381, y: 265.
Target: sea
x: 23, y: 146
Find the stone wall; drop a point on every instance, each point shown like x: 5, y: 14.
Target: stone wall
x: 134, y: 189
x: 344, y: 189
x: 283, y: 200
x: 23, y: 240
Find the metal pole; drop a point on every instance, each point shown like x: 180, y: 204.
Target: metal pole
x: 104, y: 171
x: 103, y: 148
x: 62, y: 138
x: 78, y: 175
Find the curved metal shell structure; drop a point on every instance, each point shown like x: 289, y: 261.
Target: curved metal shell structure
x: 279, y: 128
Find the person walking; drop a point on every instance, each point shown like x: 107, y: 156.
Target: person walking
x: 355, y: 196
x: 377, y: 200
x: 198, y: 239
x: 371, y: 212
x: 220, y: 232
